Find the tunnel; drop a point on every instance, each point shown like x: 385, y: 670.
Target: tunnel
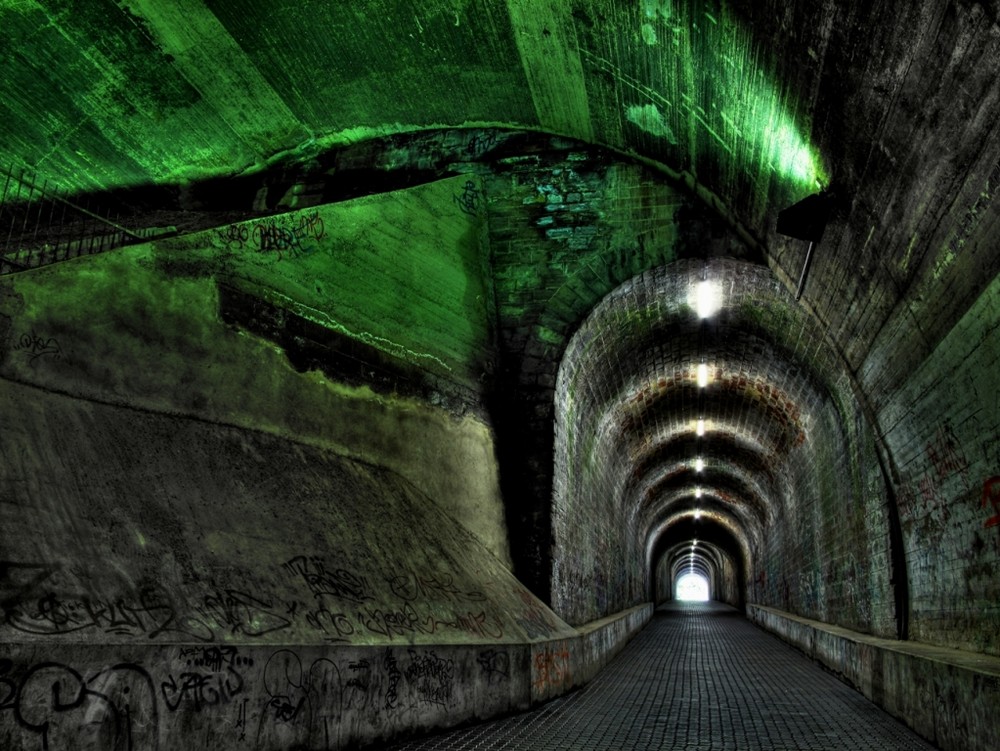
x: 370, y: 368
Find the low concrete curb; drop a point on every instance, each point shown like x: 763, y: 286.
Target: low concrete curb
x: 949, y: 696
x: 242, y: 696
x: 560, y: 665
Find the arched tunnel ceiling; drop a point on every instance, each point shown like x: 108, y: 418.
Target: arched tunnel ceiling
x: 674, y: 403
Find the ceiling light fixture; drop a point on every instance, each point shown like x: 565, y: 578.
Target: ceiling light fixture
x: 706, y: 298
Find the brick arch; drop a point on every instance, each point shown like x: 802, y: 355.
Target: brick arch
x: 778, y: 451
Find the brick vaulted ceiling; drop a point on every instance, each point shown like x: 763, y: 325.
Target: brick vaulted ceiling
x: 747, y: 107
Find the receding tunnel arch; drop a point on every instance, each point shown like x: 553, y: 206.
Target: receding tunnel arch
x: 698, y: 560
x: 708, y: 545
x: 730, y: 470
x: 743, y: 416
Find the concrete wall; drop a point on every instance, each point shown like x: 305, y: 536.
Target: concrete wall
x: 182, y: 584
x: 121, y: 525
x: 208, y: 539
x: 178, y: 697
x: 361, y: 327
x: 947, y: 695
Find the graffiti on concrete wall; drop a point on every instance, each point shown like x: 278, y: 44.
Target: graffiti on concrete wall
x: 286, y: 236
x: 35, y: 347
x: 470, y: 200
x: 432, y: 677
x: 260, y: 695
x: 342, y: 606
x: 286, y: 698
x: 323, y: 580
x: 495, y: 665
x: 301, y: 699
x: 233, y: 236
x: 61, y: 707
x: 148, y: 613
x: 481, y: 142
x: 206, y: 677
x: 944, y: 453
x: 242, y: 613
x: 945, y: 460
x: 550, y: 669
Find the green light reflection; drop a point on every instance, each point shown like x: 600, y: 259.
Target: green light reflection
x: 714, y: 82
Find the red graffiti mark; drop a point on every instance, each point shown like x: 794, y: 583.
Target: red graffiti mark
x: 944, y: 453
x: 551, y: 668
x: 991, y: 494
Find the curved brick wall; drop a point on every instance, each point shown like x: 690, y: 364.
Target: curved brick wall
x: 784, y: 463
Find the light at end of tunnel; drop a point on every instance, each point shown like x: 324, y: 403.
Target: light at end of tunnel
x: 699, y: 464
x: 700, y: 429
x: 692, y: 587
x: 706, y: 298
x: 702, y: 375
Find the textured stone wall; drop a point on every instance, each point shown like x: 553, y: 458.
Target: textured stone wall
x: 943, y: 429
x: 562, y: 235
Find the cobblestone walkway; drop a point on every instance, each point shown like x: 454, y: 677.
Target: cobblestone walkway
x: 699, y: 676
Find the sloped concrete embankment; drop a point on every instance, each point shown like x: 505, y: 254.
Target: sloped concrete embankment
x: 206, y: 545
x: 172, y: 583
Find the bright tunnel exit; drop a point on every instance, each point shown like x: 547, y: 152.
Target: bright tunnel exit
x: 692, y: 588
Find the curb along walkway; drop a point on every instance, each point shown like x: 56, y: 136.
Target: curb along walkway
x: 698, y: 677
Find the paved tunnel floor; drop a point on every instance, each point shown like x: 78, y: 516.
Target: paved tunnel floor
x: 699, y: 676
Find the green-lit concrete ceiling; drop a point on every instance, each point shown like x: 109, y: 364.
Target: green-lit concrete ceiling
x: 104, y: 94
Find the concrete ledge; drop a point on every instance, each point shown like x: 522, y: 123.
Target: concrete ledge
x: 949, y: 696
x: 560, y: 665
x: 279, y: 697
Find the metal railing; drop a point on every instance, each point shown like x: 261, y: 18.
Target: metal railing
x: 39, y: 226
